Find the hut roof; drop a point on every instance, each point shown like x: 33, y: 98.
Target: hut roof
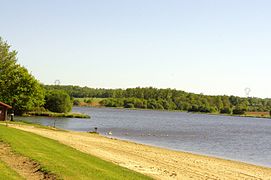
x: 5, y: 105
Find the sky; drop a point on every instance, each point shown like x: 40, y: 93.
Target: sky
x: 213, y: 47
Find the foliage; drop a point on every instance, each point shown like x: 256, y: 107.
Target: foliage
x: 88, y: 100
x: 17, y: 86
x: 226, y: 110
x: 58, y: 101
x: 169, y: 99
x: 52, y: 114
x: 76, y: 102
x: 64, y: 161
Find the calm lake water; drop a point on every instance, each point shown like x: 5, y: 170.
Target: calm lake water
x: 237, y: 138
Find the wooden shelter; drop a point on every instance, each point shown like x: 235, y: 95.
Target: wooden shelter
x: 4, y: 111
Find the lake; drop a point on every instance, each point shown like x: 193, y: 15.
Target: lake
x: 236, y: 138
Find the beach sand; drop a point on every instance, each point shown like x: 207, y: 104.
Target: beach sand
x: 156, y: 162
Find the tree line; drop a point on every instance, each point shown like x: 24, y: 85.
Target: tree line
x: 168, y: 99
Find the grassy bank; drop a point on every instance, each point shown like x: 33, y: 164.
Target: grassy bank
x: 257, y: 114
x: 59, y: 159
x: 93, y: 102
x: 153, y: 161
x: 52, y: 114
x: 8, y: 173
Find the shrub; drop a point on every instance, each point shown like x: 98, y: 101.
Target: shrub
x: 151, y: 104
x: 58, y: 101
x: 239, y: 111
x: 76, y: 102
x: 194, y: 108
x: 129, y: 105
x: 226, y: 110
x: 88, y: 101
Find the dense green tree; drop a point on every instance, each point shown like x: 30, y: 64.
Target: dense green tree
x: 171, y: 99
x: 17, y: 86
x: 58, y: 101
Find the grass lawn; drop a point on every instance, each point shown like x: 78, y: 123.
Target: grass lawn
x: 7, y: 173
x: 64, y: 161
x: 94, y: 102
x: 53, y: 114
x: 92, y: 99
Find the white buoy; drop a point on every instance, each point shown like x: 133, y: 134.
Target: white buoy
x: 110, y: 133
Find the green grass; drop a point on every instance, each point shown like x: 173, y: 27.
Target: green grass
x: 53, y: 114
x: 92, y: 99
x: 22, y: 122
x: 64, y: 161
x: 8, y: 173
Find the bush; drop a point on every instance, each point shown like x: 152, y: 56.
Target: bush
x: 204, y: 109
x: 129, y: 105
x: 239, y: 111
x: 160, y: 106
x: 119, y: 102
x: 226, y: 110
x: 76, y: 102
x: 213, y: 109
x: 151, y: 104
x: 112, y: 102
x: 39, y: 109
x: 140, y: 103
x: 194, y: 108
x: 88, y: 101
x: 58, y: 101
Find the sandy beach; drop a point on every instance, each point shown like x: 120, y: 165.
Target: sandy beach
x: 153, y: 161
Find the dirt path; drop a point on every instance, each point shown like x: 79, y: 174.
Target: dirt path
x: 25, y: 167
x: 155, y: 162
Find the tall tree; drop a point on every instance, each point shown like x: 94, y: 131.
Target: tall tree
x: 17, y: 86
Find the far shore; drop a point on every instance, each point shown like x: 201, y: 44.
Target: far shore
x: 216, y: 114
x: 156, y: 162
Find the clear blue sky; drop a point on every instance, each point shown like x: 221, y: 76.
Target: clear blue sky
x: 202, y: 46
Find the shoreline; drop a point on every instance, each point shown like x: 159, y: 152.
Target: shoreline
x: 57, y: 115
x: 160, y: 110
x: 189, y: 152
x: 157, y: 162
